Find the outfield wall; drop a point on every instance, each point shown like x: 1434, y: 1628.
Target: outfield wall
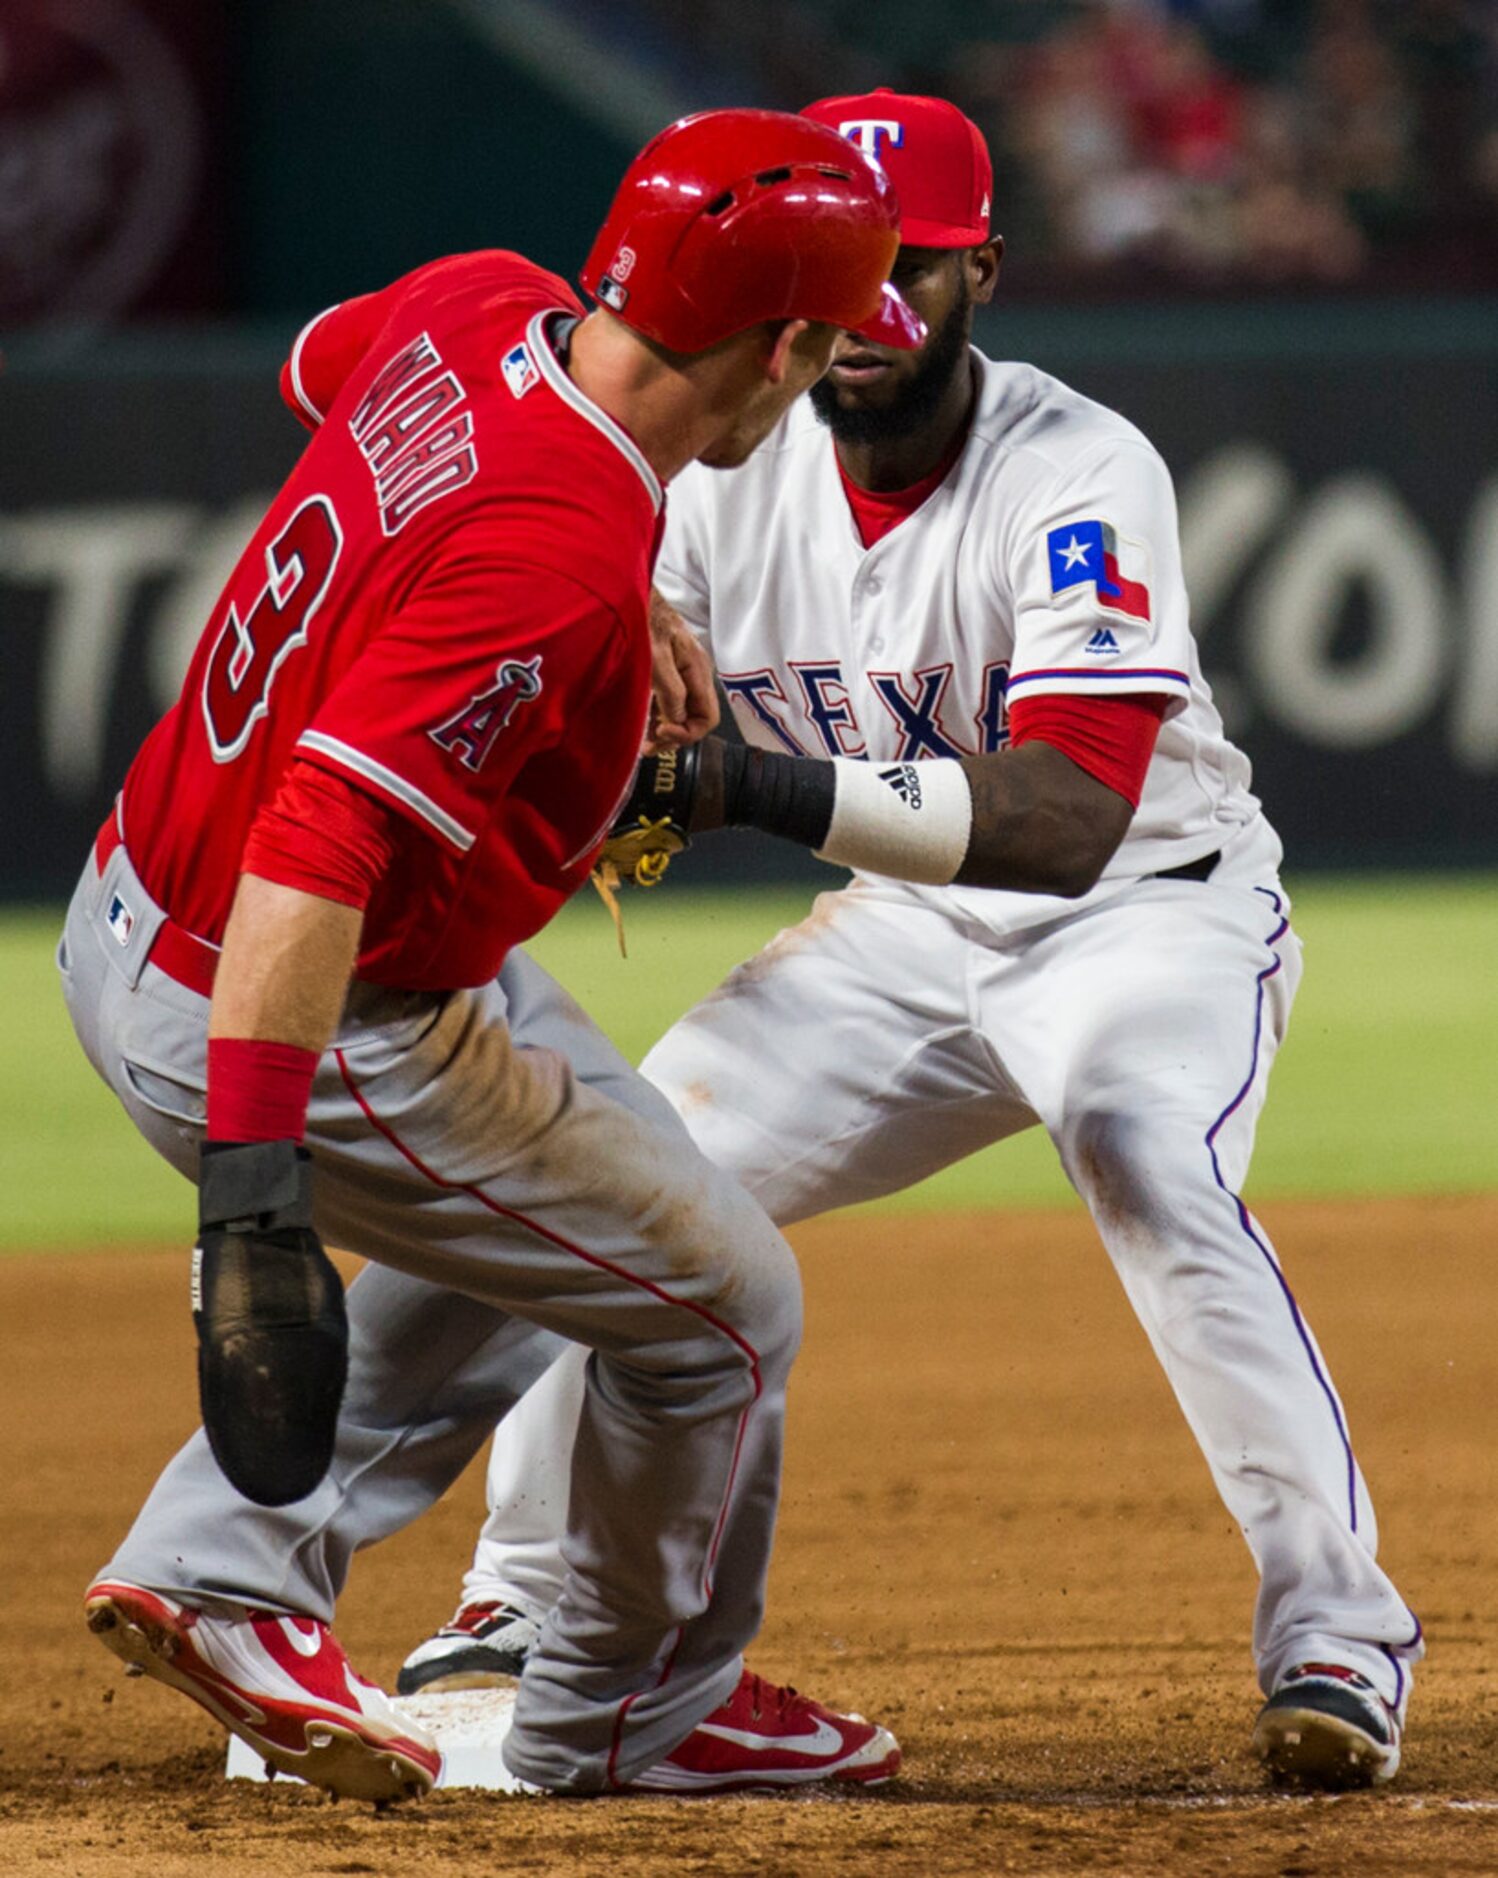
x: 1337, y: 469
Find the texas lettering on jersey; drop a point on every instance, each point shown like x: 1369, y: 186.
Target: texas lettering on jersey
x: 922, y: 706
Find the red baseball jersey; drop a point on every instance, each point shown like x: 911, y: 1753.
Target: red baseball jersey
x: 445, y: 606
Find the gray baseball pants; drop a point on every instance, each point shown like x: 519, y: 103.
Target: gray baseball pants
x: 516, y: 1183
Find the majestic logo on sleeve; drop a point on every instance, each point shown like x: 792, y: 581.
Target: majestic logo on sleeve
x: 1091, y: 554
x: 471, y: 733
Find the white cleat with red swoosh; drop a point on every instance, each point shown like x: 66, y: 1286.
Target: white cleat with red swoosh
x: 283, y: 1684
x: 767, y: 1736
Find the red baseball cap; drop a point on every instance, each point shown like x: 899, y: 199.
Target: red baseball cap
x: 935, y: 157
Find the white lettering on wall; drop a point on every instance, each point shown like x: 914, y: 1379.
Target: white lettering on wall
x: 91, y: 560
x: 1355, y: 533
x: 1279, y: 563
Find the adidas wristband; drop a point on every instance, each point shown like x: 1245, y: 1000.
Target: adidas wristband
x: 912, y: 821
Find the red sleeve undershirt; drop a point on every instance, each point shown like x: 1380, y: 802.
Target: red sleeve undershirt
x: 324, y: 836
x: 1113, y: 739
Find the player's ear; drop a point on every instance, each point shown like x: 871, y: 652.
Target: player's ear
x: 982, y: 264
x: 783, y: 349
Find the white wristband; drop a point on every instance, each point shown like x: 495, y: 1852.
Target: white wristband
x: 912, y: 821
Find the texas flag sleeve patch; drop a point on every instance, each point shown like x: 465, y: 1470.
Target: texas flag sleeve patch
x: 1091, y: 554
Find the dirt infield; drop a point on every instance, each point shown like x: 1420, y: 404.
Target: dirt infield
x: 998, y: 1537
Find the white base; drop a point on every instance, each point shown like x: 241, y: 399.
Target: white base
x: 469, y: 1726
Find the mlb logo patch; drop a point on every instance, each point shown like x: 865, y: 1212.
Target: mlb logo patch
x: 120, y: 919
x: 1092, y: 554
x: 520, y: 371
x: 613, y: 293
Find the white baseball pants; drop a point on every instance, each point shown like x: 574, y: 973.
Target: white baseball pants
x: 1140, y: 1033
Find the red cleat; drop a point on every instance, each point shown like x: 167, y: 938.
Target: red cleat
x: 765, y: 1736
x: 281, y: 1683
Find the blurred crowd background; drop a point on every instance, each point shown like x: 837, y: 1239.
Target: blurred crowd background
x: 1186, y: 142
x: 244, y: 157
x: 1265, y: 230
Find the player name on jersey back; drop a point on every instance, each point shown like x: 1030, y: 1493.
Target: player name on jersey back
x: 414, y: 429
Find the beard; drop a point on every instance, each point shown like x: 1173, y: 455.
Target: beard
x: 917, y: 400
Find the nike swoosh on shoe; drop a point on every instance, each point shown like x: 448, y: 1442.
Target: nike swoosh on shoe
x: 824, y: 1740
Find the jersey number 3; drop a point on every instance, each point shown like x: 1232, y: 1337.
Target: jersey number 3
x: 251, y: 647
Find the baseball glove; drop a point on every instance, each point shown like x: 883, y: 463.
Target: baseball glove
x: 649, y: 830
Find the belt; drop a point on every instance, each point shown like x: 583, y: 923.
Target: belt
x: 1200, y: 869
x: 174, y: 950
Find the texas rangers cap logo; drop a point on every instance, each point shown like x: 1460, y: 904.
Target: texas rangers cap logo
x: 869, y: 133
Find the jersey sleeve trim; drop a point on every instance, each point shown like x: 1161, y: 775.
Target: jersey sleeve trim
x: 296, y: 363
x: 1071, y: 677
x: 563, y: 386
x: 370, y: 771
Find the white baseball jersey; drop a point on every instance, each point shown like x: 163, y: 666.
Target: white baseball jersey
x: 1047, y: 561
x: 1138, y: 1025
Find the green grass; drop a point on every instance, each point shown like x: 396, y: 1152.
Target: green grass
x: 1388, y: 1084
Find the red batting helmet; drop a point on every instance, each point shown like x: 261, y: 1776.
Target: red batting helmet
x: 733, y: 217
